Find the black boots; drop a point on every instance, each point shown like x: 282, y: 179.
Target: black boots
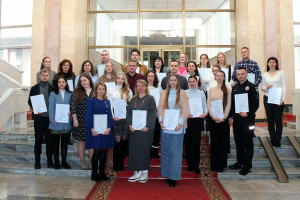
x: 116, y: 156
x: 102, y: 169
x: 95, y: 176
x: 64, y: 151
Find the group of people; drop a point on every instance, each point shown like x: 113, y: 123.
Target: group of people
x: 141, y: 90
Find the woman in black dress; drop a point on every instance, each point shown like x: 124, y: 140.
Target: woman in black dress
x: 79, y: 99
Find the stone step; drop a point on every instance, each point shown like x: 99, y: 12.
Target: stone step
x: 291, y: 124
x: 259, y: 173
x: 28, y: 168
x: 259, y: 150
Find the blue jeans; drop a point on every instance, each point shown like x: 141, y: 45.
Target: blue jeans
x: 171, y: 155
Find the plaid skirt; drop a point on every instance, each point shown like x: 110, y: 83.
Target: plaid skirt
x: 121, y: 127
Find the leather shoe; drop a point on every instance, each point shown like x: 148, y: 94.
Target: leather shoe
x: 244, y: 172
x: 37, y: 166
x: 235, y: 166
x: 167, y: 181
x: 172, y: 183
x: 65, y: 165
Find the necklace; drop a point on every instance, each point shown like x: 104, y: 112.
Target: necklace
x: 141, y: 104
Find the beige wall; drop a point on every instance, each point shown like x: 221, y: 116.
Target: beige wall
x: 58, y: 31
x: 265, y: 26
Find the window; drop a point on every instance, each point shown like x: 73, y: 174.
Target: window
x: 15, y: 31
x: 192, y: 26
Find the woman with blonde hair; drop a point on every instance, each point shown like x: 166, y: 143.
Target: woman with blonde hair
x: 109, y: 74
x: 120, y: 91
x: 99, y: 141
x: 173, y: 98
x: 140, y: 141
x: 182, y: 65
x: 222, y: 62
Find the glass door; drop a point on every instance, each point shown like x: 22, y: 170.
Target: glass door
x: 148, y: 56
x: 169, y: 55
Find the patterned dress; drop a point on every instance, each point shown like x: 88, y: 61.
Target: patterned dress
x: 79, y: 108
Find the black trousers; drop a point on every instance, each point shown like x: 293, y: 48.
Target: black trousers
x: 192, y: 141
x: 218, y: 144
x: 63, y: 137
x: 243, y: 130
x: 156, y: 139
x: 274, y: 115
x: 41, y: 128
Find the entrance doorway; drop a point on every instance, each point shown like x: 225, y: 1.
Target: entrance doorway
x: 149, y: 55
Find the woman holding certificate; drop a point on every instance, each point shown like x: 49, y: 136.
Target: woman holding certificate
x: 141, y: 114
x: 99, y: 123
x: 173, y: 111
x: 154, y: 90
x: 219, y: 104
x: 198, y: 111
x: 119, y: 96
x: 109, y: 74
x: 60, y: 121
x: 65, y: 69
x: 87, y: 67
x: 83, y: 92
x: 274, y: 86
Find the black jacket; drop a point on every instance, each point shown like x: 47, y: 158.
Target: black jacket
x: 35, y: 90
x: 253, y: 99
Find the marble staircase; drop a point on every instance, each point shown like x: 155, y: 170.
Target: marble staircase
x: 262, y: 168
x: 17, y: 157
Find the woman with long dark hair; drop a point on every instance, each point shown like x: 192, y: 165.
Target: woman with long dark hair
x: 152, y: 80
x: 274, y: 78
x: 219, y: 125
x: 83, y: 92
x: 59, y: 131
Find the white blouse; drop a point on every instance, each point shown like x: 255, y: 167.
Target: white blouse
x: 278, y: 80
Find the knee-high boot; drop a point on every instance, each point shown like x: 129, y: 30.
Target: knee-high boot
x: 116, y: 156
x: 95, y: 176
x: 64, y: 151
x: 102, y: 165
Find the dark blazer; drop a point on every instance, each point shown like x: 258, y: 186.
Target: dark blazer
x: 35, y: 90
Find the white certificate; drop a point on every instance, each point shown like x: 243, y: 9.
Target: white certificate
x: 251, y: 77
x: 38, y: 103
x: 241, y: 103
x: 217, y: 108
x: 171, y: 119
x: 160, y: 77
x: 205, y: 72
x: 120, y: 109
x: 137, y: 70
x: 274, y: 95
x: 101, y: 69
x: 139, y: 119
x: 109, y: 85
x: 196, y: 108
x: 61, y: 113
x: 155, y: 93
x: 226, y: 71
x: 70, y: 84
x: 100, y: 123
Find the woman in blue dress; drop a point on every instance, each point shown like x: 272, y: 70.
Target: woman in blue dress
x: 98, y: 141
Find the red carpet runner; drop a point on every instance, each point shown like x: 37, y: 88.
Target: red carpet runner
x: 192, y: 186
